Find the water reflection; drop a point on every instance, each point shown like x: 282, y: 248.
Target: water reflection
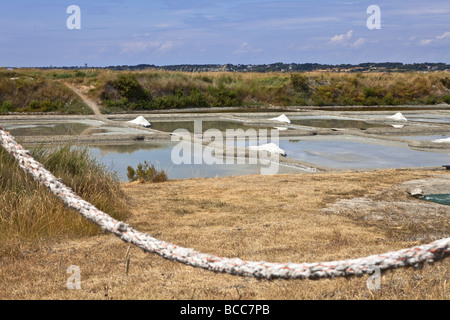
x: 432, y: 118
x: 129, y: 148
x: 51, y: 129
x: 118, y: 157
x: 170, y: 126
x: 336, y: 123
x: 347, y: 152
x: 426, y: 138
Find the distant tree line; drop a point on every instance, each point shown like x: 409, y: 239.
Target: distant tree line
x: 281, y: 67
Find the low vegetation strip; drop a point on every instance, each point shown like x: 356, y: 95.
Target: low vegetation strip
x: 150, y: 90
x: 29, y: 92
x: 415, y: 256
x: 118, y: 91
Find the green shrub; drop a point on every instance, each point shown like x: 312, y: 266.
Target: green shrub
x: 389, y: 100
x: 369, y: 92
x: 125, y: 93
x: 431, y: 100
x: 371, y: 101
x: 197, y: 99
x: 34, y: 105
x: 131, y: 89
x: 446, y: 98
x: 223, y: 97
x: 146, y: 172
x: 80, y: 74
x: 6, y: 107
x: 300, y: 83
x: 61, y: 76
x: 45, y: 105
x: 326, y: 95
x: 121, y: 104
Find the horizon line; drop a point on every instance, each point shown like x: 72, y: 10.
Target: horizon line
x: 224, y: 64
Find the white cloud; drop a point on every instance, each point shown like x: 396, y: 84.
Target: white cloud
x: 445, y: 35
x: 133, y: 47
x: 346, y: 40
x: 358, y: 43
x: 342, y: 37
x: 426, y: 42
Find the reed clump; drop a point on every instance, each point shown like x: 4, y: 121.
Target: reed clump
x: 31, y: 216
x: 146, y: 172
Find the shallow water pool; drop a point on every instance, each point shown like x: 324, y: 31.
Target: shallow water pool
x: 427, y: 118
x: 426, y: 138
x: 221, y: 125
x: 349, y: 152
x: 118, y: 157
x: 47, y: 129
x: 336, y: 123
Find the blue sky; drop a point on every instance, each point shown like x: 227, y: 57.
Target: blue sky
x: 34, y: 33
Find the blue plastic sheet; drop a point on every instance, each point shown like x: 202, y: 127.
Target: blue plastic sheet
x: 438, y: 198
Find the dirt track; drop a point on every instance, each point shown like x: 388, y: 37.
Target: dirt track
x: 91, y: 104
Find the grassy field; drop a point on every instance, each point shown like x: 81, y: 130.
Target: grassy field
x: 273, y: 218
x: 28, y: 91
x: 281, y: 218
x: 118, y: 91
x: 146, y: 90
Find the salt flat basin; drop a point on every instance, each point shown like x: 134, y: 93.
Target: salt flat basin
x: 432, y: 118
x: 411, y: 117
x: 335, y: 152
x: 350, y: 152
x: 426, y: 138
x: 49, y: 128
x: 66, y: 128
x: 118, y: 157
x: 334, y: 122
x: 221, y: 125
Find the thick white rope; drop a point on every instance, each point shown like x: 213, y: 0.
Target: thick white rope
x: 415, y: 256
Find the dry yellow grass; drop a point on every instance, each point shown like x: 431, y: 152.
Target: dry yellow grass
x: 273, y: 218
x: 170, y: 89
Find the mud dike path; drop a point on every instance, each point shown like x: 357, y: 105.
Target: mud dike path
x: 91, y: 104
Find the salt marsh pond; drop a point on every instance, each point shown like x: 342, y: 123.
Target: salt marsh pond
x: 327, y: 139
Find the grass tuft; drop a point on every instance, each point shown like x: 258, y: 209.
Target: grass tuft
x: 31, y: 216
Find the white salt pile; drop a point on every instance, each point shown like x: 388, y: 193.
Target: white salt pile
x: 397, y: 117
x: 398, y: 126
x: 141, y: 121
x: 442, y: 140
x: 270, y: 147
x: 282, y: 118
